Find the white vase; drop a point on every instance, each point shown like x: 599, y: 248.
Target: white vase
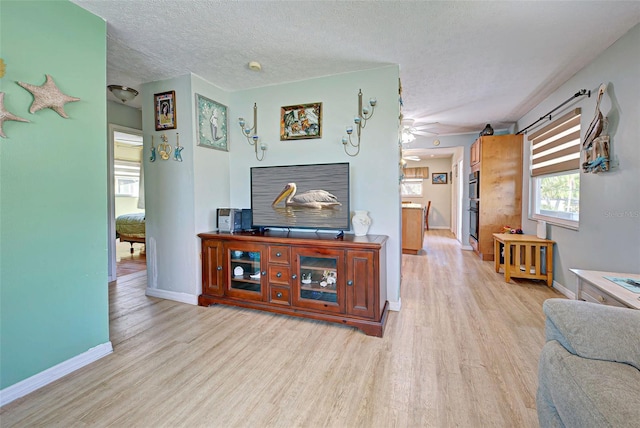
x: 541, y: 231
x: 361, y: 222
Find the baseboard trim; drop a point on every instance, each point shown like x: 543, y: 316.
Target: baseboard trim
x: 395, y: 306
x: 564, y: 290
x: 37, y: 381
x: 467, y: 247
x: 440, y: 227
x: 172, y: 295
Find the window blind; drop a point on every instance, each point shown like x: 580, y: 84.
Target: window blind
x: 418, y: 172
x: 556, y: 147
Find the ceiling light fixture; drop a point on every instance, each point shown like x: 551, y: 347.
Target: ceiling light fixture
x: 255, y: 66
x: 123, y: 93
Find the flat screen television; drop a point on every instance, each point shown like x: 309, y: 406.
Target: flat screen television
x: 301, y: 196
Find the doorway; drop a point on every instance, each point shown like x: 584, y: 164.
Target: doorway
x: 126, y: 201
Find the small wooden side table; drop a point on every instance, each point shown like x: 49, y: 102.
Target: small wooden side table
x: 525, y: 256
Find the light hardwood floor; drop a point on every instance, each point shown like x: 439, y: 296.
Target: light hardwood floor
x: 463, y: 351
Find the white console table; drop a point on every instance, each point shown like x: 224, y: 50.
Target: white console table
x: 592, y: 286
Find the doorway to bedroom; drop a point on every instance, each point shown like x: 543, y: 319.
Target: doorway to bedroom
x: 127, y: 253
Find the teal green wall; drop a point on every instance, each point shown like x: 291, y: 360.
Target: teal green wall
x: 53, y: 197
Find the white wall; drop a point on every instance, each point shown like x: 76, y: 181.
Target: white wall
x: 609, y: 233
x: 374, y: 172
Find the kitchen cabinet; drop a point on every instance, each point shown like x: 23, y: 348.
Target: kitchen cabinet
x: 311, y: 275
x: 413, y: 224
x: 499, y: 200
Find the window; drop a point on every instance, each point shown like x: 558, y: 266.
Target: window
x: 411, y: 187
x: 555, y: 171
x: 127, y: 178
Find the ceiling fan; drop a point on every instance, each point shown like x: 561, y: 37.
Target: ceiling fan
x: 410, y: 130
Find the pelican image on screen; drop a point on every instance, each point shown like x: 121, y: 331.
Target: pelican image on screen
x: 301, y: 196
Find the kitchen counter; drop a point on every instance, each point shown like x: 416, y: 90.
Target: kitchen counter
x: 412, y: 228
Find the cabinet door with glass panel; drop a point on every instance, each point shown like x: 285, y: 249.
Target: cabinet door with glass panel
x: 318, y: 279
x: 246, y: 270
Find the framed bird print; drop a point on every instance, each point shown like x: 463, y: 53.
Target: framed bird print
x: 165, y: 110
x: 301, y: 122
x: 211, y: 123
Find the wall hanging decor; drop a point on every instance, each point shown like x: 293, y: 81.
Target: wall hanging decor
x: 2, y: 67
x: 153, y: 151
x: 177, y: 152
x: 252, y: 139
x: 594, y: 145
x: 360, y: 121
x: 165, y: 110
x: 301, y: 122
x: 6, y: 115
x: 439, y: 178
x: 212, y: 124
x: 164, y: 149
x: 48, y: 96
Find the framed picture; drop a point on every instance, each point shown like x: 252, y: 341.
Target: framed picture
x: 439, y: 178
x: 211, y: 124
x: 301, y: 122
x: 165, y: 111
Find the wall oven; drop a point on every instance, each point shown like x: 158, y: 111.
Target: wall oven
x: 474, y: 218
x: 474, y: 185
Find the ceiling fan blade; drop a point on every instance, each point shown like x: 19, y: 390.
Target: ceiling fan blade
x: 424, y: 133
x: 422, y: 126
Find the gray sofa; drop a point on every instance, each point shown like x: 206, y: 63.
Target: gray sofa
x: 589, y: 370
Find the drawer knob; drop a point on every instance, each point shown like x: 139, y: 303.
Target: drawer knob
x: 264, y: 273
x: 294, y: 276
x: 279, y: 274
x: 349, y: 282
x: 279, y: 294
x: 278, y: 254
x: 219, y: 267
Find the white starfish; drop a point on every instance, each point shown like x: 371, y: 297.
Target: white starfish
x: 48, y: 96
x: 6, y: 115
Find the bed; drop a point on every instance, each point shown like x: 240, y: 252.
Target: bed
x: 130, y: 228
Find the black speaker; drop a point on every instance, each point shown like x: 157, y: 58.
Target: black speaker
x: 246, y: 219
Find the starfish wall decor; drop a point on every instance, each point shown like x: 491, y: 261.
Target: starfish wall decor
x: 6, y: 115
x: 48, y: 96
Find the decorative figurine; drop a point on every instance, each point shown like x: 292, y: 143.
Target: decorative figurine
x: 488, y: 130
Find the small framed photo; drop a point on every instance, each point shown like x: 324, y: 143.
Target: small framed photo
x: 211, y: 124
x: 165, y: 110
x: 301, y: 122
x: 439, y: 178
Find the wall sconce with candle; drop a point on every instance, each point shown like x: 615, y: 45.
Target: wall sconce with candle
x: 252, y: 139
x: 360, y: 121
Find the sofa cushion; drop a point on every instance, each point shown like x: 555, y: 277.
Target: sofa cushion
x: 594, y: 331
x: 579, y: 392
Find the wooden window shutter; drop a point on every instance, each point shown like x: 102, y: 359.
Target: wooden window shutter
x: 418, y: 172
x: 556, y: 147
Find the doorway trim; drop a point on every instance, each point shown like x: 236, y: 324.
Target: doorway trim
x: 111, y: 201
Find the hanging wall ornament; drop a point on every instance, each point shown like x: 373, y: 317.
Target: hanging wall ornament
x: 5, y: 115
x: 153, y: 151
x: 177, y: 152
x: 164, y: 149
x: 48, y: 96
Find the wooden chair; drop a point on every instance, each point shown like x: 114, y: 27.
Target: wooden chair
x: 426, y: 215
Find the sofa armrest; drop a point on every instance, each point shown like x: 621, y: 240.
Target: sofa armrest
x: 594, y: 331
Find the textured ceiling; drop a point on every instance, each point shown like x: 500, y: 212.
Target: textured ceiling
x: 462, y: 64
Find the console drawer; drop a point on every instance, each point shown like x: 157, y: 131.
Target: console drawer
x: 279, y: 254
x: 279, y: 274
x: 279, y: 295
x: 595, y: 295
